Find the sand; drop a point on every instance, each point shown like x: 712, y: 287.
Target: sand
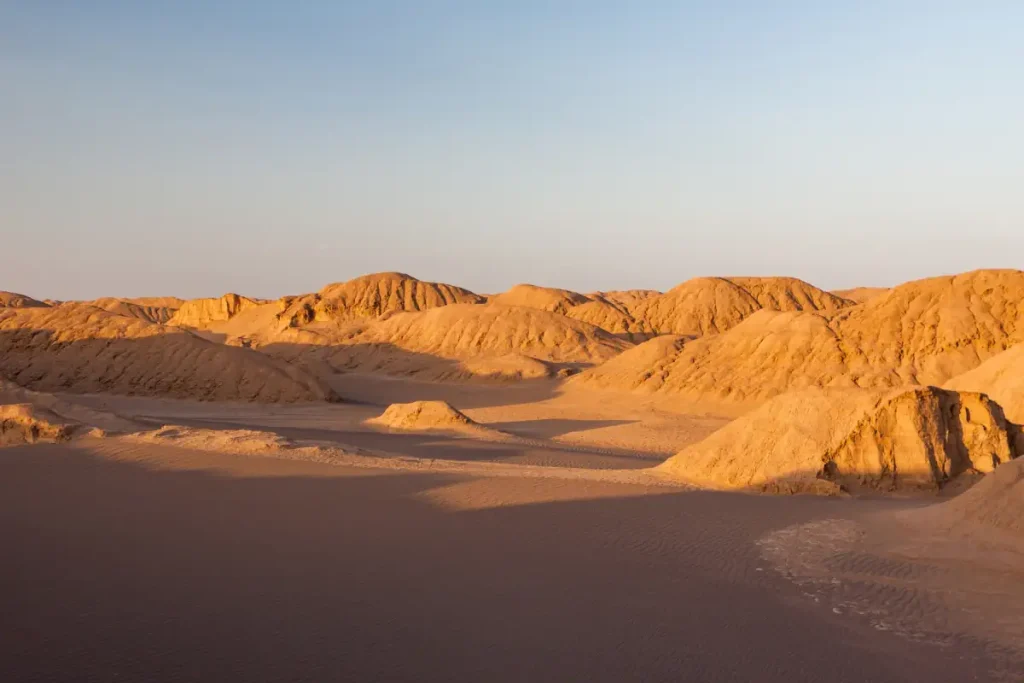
x: 920, y: 333
x: 84, y: 349
x: 827, y: 441
x: 511, y: 486
x: 194, y: 566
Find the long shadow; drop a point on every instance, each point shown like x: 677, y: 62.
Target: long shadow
x: 550, y: 428
x: 162, y: 366
x: 230, y: 570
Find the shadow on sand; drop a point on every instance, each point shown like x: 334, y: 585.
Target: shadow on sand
x: 216, y: 568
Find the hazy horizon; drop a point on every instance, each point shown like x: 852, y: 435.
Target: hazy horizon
x: 179, y: 149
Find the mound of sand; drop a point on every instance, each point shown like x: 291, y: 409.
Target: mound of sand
x: 80, y: 348
x: 860, y: 294
x: 22, y: 423
x: 425, y: 416
x: 593, y: 309
x: 462, y: 331
x: 1001, y: 377
x: 826, y: 440
x: 236, y: 441
x: 635, y: 367
x: 15, y: 300
x: 372, y: 296
x: 200, y: 313
x: 924, y: 332
x: 996, y: 502
x: 626, y: 299
x: 150, y: 309
x: 710, y: 305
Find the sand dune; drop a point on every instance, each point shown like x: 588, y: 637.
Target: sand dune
x: 80, y: 348
x: 200, y: 313
x: 64, y: 411
x: 427, y: 416
x: 150, y: 309
x: 860, y: 294
x: 594, y: 309
x: 997, y: 502
x: 541, y: 298
x: 924, y: 332
x: 372, y: 296
x: 15, y: 300
x: 826, y: 440
x: 1001, y: 377
x: 710, y: 305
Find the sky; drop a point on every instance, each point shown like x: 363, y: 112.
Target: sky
x: 193, y: 148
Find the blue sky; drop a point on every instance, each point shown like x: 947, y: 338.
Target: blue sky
x: 273, y: 147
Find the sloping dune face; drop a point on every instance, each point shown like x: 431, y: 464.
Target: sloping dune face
x: 997, y: 502
x: 826, y: 440
x: 923, y: 332
x: 541, y: 298
x: 150, y: 309
x: 464, y: 331
x: 712, y: 305
x: 373, y: 296
x: 1001, y: 377
x: 860, y: 294
x: 80, y: 348
x: 594, y: 309
x: 15, y: 300
x: 200, y: 313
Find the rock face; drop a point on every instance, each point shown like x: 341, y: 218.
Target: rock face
x: 15, y: 300
x: 200, y: 313
x: 1001, y: 377
x: 923, y: 332
x: 80, y: 348
x: 710, y: 305
x: 826, y: 440
x: 372, y: 296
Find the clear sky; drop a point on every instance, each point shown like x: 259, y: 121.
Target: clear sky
x: 193, y: 148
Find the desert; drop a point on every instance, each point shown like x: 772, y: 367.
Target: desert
x: 391, y: 476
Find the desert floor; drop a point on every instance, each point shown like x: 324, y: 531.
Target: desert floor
x: 540, y: 554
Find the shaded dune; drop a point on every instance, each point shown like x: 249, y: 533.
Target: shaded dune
x: 80, y: 348
x: 996, y: 502
x: 824, y: 441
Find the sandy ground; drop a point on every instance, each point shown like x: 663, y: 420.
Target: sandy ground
x: 147, y: 562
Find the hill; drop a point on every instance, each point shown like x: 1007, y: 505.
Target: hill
x: 80, y: 348
x: 826, y: 440
x: 1001, y: 377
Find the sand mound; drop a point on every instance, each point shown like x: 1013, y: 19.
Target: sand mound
x: 710, y: 305
x: 625, y: 299
x: 634, y: 367
x: 541, y: 298
x: 464, y: 331
x: 81, y: 348
x: 997, y: 501
x: 200, y: 313
x: 823, y: 440
x: 860, y: 294
x: 593, y: 309
x: 150, y: 309
x: 372, y: 296
x: 237, y: 441
x: 1001, y: 377
x: 22, y: 423
x: 15, y: 300
x: 920, y: 333
x: 424, y: 416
